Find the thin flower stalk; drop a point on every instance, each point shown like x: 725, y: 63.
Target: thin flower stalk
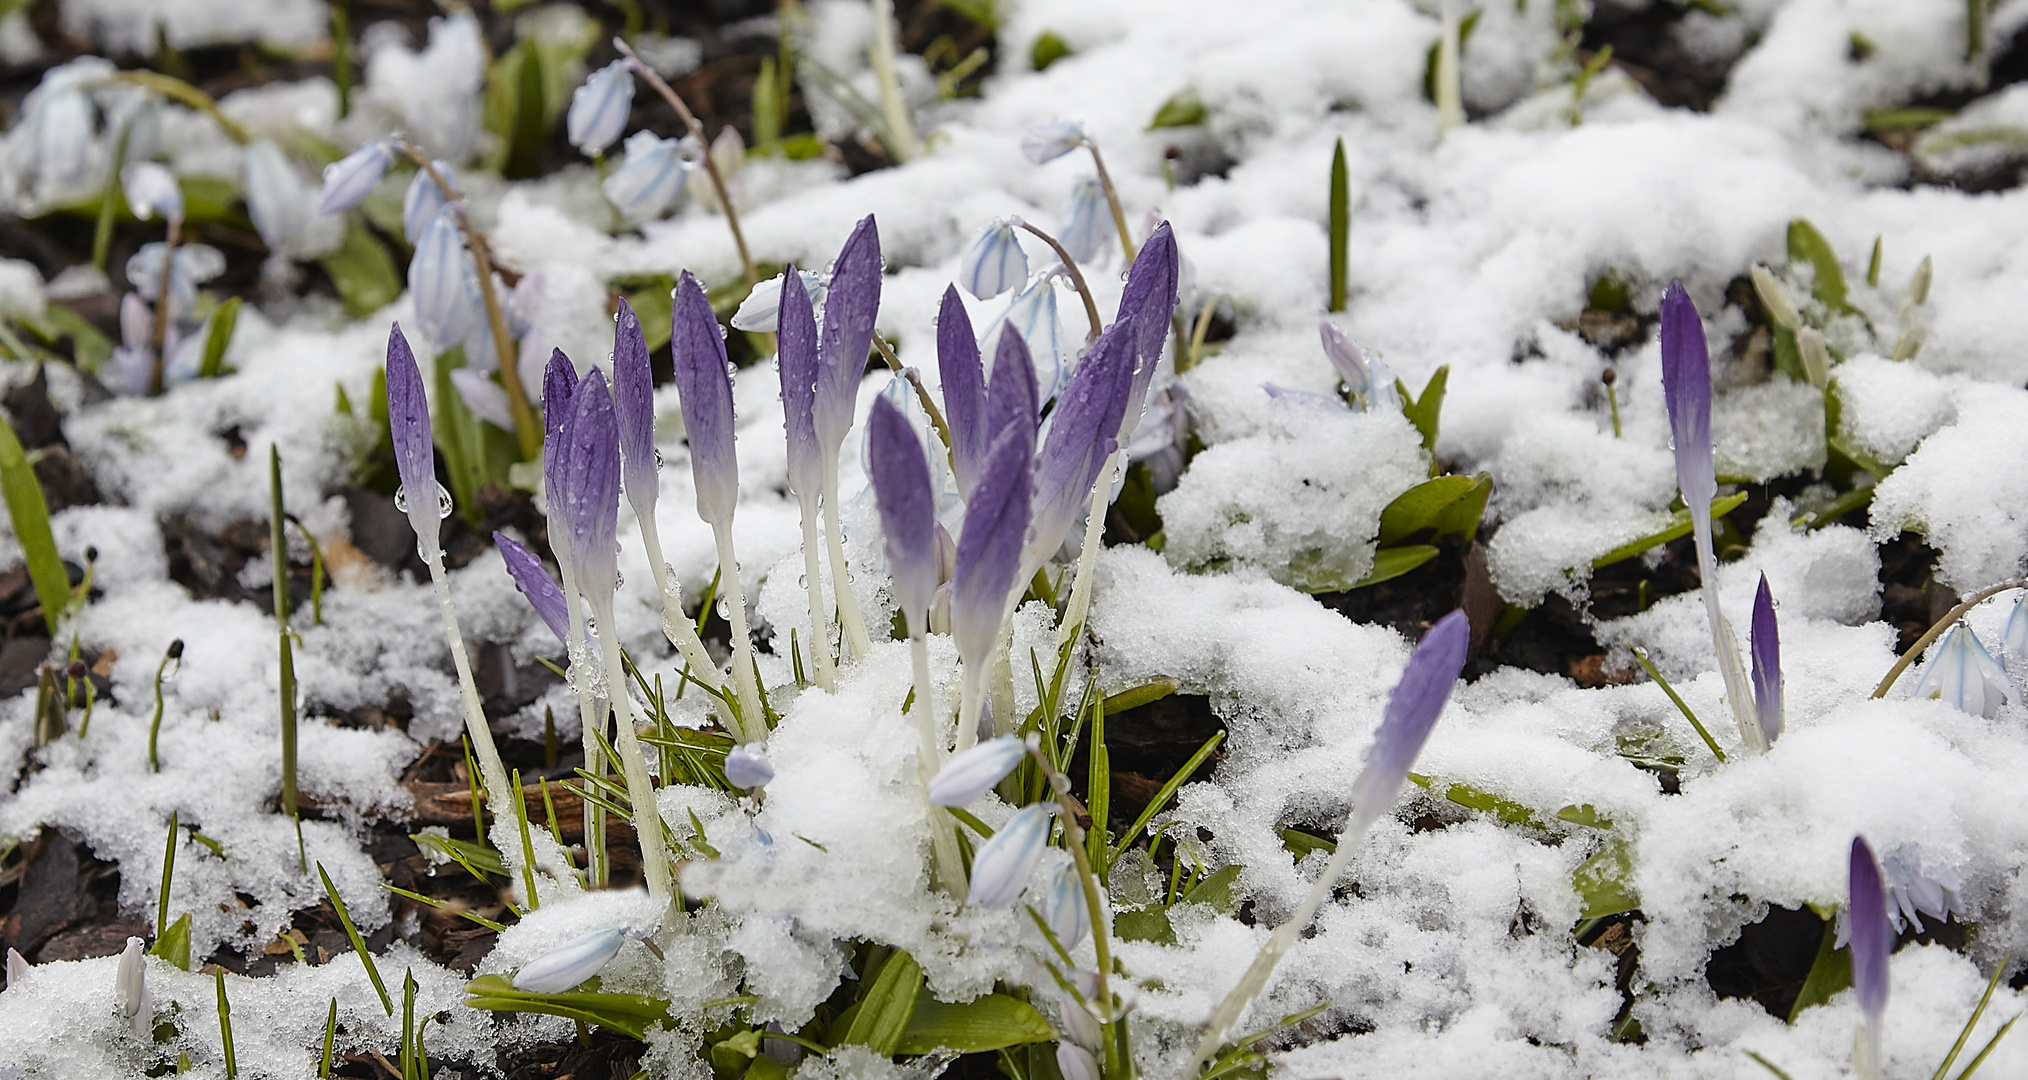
x: 158, y: 357
x: 1095, y: 907
x: 690, y: 121
x: 1112, y: 200
x: 1076, y: 276
x: 880, y: 54
x: 559, y: 387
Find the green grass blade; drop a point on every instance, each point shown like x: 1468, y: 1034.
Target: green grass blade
x: 1990, y: 1044
x: 222, y: 323
x: 1341, y: 225
x: 358, y: 943
x: 1681, y: 705
x: 1168, y: 791
x: 1965, y: 1036
x: 30, y: 513
x: 225, y: 1024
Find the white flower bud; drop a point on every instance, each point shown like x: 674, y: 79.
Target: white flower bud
x: 1003, y: 865
x: 967, y: 776
x: 136, y: 1004
x: 570, y: 964
x: 994, y: 263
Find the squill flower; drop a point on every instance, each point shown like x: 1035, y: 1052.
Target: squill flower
x: 648, y: 180
x: 747, y: 766
x: 276, y: 198
x: 1046, y: 142
x: 1919, y: 889
x: 350, y: 179
x: 130, y: 984
x: 439, y: 278
x: 759, y: 312
x: 968, y: 775
x: 17, y: 969
x: 1686, y: 388
x: 1412, y: 710
x: 571, y: 963
x: 191, y: 266
x: 1087, y: 226
x: 1034, y: 314
x: 599, y: 108
x: 994, y: 263
x: 1962, y: 673
x: 1075, y: 1062
x: 988, y: 565
x: 901, y: 487
x: 535, y: 583
x: 151, y: 190
x: 1764, y: 639
x: 56, y: 139
x: 486, y: 398
x: 2014, y: 635
x: 422, y: 200
x: 408, y: 422
x: 1082, y: 434
x: 1063, y: 908
x: 1369, y: 384
x: 1872, y: 941
x: 1003, y: 864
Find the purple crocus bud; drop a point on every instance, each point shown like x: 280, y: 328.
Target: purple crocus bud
x: 591, y: 488
x: 747, y: 766
x: 543, y: 594
x: 705, y: 390
x: 1412, y: 710
x: 1047, y: 142
x: 1082, y: 434
x: 599, y: 108
x: 1872, y: 941
x: 1003, y: 865
x: 994, y: 263
x: 796, y: 328
x: 1962, y: 673
x: 559, y: 383
x: 1088, y: 224
x: 989, y: 547
x: 969, y: 774
x: 1765, y: 643
x: 422, y: 200
x: 1150, y: 297
x: 847, y: 336
x: 964, y: 385
x: 908, y: 512
x: 408, y: 422
x: 350, y: 179
x: 1011, y: 398
x: 634, y: 406
x: 1686, y: 386
x: 571, y: 963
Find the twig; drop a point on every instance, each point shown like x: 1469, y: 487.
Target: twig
x: 1112, y: 200
x: 690, y: 121
x: 914, y: 378
x: 1076, y: 279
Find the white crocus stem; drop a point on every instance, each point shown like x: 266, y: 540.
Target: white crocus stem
x: 841, y: 584
x: 820, y: 616
x: 948, y: 866
x: 491, y: 771
x: 591, y: 716
x: 1094, y: 539
x: 1449, y: 95
x: 880, y: 54
x: 1738, y: 690
x: 752, y: 724
x: 640, y: 790
x: 676, y: 625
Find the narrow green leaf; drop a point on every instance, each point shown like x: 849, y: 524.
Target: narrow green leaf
x: 1808, y: 245
x: 1971, y: 1022
x: 1341, y: 226
x: 358, y: 943
x: 1134, y: 697
x: 362, y: 272
x: 1390, y: 563
x: 1424, y: 411
x: 1679, y: 526
x: 173, y: 944
x: 1300, y: 843
x: 889, y: 1003
x: 30, y: 514
x: 478, y: 859
x: 1218, y: 890
x: 1183, y: 109
x: 1167, y: 791
x: 1049, y: 47
x: 992, y: 1022
x: 223, y: 321
x: 629, y: 1014
x: 1602, y: 882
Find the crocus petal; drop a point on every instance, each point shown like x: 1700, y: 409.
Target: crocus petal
x: 1686, y: 386
x: 990, y: 546
x: 1034, y: 313
x: 1412, y: 710
x: 901, y: 486
x: 967, y: 776
x: 559, y: 385
x: 1150, y: 297
x: 151, y: 190
x: 130, y: 984
x: 1765, y: 643
x: 408, y: 422
x: 570, y: 964
x: 705, y: 391
x: 542, y: 591
x: 422, y: 200
x: 1871, y: 939
x: 796, y: 323
x: 591, y: 488
x: 1082, y: 434
x: 1003, y: 864
x: 1012, y: 398
x: 350, y: 179
x: 1087, y: 224
x: 846, y: 336
x: 747, y: 766
x: 994, y: 263
x: 1063, y: 908
x: 1075, y: 1062
x: 964, y: 386
x: 634, y: 407
x: 599, y: 108
x: 1047, y: 142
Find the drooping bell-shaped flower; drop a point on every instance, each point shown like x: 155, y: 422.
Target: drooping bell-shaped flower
x: 1003, y: 865
x: 1034, y: 314
x: 705, y: 391
x: 648, y: 180
x: 994, y: 263
x: 422, y: 200
x: 130, y: 985
x: 1764, y: 639
x: 408, y: 422
x: 990, y: 547
x: 2014, y: 636
x: 191, y: 266
x: 591, y: 489
x: 439, y: 277
x: 542, y: 591
x: 969, y: 774
x: 1046, y: 142
x: 276, y: 198
x: 599, y: 108
x: 1369, y: 383
x: 55, y: 144
x: 152, y: 190
x: 483, y: 395
x: 1872, y: 941
x: 1920, y: 889
x: 634, y: 406
x: 760, y: 311
x: 1082, y: 434
x: 1087, y: 225
x: 1962, y: 673
x: 350, y: 179
x: 747, y: 766
x: 571, y: 963
x: 901, y: 487
x: 1063, y: 908
x: 1076, y: 1063
x: 846, y: 337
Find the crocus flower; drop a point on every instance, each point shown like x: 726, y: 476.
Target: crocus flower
x: 1087, y: 225
x: 796, y: 324
x: 2014, y: 635
x: 964, y: 386
x: 1150, y: 297
x: 648, y: 180
x: 989, y: 552
x: 542, y: 592
x: 17, y: 969
x: 591, y: 489
x: 151, y: 190
x: 276, y: 198
x: 350, y: 179
x: 1034, y: 314
x: 1082, y: 434
x: 1962, y: 673
x: 438, y: 277
x: 1047, y: 142
x: 559, y: 385
x: 901, y: 486
x: 1872, y: 941
x: 705, y: 391
x: 570, y: 964
x: 994, y: 263
x: 747, y: 766
x: 130, y: 984
x: 1012, y: 399
x: 599, y: 108
x: 408, y: 422
x: 1063, y: 908
x: 422, y: 200
x: 1765, y: 641
x: 1003, y: 864
x: 191, y: 266
x: 1075, y: 1062
x: 846, y: 336
x: 759, y: 312
x: 968, y: 775
x: 634, y: 406
x: 1368, y: 381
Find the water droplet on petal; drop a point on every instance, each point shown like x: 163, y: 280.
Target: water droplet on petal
x: 443, y: 503
x: 401, y: 498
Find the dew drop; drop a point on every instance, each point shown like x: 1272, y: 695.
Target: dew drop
x: 658, y: 457
x: 401, y: 498
x: 443, y: 503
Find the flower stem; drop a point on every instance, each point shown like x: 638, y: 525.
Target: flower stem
x: 881, y: 56
x: 1112, y: 200
x: 1087, y: 557
x: 841, y: 582
x: 633, y: 766
x: 490, y: 768
x: 1074, y: 840
x: 1091, y: 311
x: 690, y: 121
x: 591, y: 717
x: 1936, y: 630
x: 820, y: 616
x: 950, y: 869
x: 676, y: 626
x: 752, y: 725
x: 157, y: 362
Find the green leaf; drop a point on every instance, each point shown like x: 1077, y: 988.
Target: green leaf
x: 1829, y: 974
x: 222, y: 323
x: 1183, y: 109
x: 652, y: 305
x: 89, y: 348
x: 1585, y: 814
x: 30, y: 513
x: 629, y: 1014
x: 981, y: 12
x: 1341, y: 225
x: 1602, y: 883
x: 362, y: 272
x: 1808, y: 245
x: 993, y: 1022
x: 478, y: 859
x: 174, y: 943
x: 1300, y: 843
x: 1911, y: 119
x: 1444, y: 506
x: 1392, y: 562
x: 1148, y: 924
x: 1048, y: 49
x: 1134, y: 697
x: 1217, y: 889
x: 1423, y: 411
x: 1834, y: 435
x: 883, y: 1014
x: 1679, y: 526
